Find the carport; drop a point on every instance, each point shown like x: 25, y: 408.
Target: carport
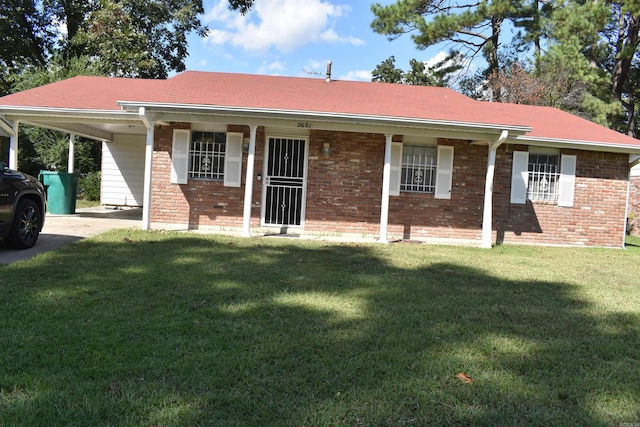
x: 126, y: 138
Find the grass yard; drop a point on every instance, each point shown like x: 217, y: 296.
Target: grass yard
x: 167, y: 329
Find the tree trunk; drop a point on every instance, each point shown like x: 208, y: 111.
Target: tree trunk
x: 492, y: 58
x: 627, y: 44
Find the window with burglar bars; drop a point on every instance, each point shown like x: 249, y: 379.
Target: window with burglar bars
x: 418, y: 169
x: 206, y: 155
x: 544, y: 176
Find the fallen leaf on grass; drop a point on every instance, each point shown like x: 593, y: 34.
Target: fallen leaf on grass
x: 464, y: 377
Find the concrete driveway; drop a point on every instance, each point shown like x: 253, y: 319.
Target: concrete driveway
x: 60, y: 230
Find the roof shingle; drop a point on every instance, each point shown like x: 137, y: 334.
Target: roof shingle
x: 312, y: 95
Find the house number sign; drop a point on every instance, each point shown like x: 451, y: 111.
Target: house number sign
x: 304, y: 125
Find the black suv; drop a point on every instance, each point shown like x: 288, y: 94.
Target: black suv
x: 22, y: 208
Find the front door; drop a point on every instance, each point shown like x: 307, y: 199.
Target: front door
x: 284, y: 187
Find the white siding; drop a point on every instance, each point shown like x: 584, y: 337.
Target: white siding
x: 123, y: 171
x: 635, y: 171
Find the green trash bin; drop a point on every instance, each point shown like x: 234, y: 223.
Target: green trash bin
x: 61, y: 188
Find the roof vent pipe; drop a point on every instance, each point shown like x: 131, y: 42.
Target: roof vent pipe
x: 328, y: 71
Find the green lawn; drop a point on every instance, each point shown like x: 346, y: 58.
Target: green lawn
x: 168, y: 329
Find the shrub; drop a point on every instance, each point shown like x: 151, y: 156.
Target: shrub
x: 90, y: 186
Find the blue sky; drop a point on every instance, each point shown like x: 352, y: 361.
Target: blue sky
x: 297, y: 38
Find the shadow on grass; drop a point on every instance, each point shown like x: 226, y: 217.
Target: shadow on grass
x: 181, y: 330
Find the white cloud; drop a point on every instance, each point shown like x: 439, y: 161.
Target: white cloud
x: 331, y: 36
x: 439, y: 57
x: 281, y: 24
x: 360, y: 75
x: 466, y: 66
x: 274, y: 68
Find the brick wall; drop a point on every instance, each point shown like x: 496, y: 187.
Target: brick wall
x: 422, y: 216
x: 344, y: 192
x: 597, y: 215
x: 200, y: 203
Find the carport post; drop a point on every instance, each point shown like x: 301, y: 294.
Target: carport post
x: 148, y: 163
x: 386, y: 183
x: 487, y: 216
x: 248, y: 185
x: 71, y: 167
x: 13, y: 146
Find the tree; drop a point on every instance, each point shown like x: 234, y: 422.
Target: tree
x: 623, y: 35
x: 43, y: 148
x: 138, y: 38
x: 386, y: 72
x: 419, y: 73
x: 518, y: 85
x: 471, y: 25
x: 576, y: 45
x: 27, y: 38
x: 241, y: 5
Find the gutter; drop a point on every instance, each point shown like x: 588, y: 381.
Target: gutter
x: 281, y: 114
x: 577, y: 144
x: 67, y: 112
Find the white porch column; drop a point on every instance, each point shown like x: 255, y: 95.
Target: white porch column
x: 487, y: 216
x: 248, y: 185
x: 13, y: 146
x: 148, y: 164
x: 386, y: 181
x: 71, y: 166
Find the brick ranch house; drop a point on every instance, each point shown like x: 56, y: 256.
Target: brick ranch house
x: 262, y: 154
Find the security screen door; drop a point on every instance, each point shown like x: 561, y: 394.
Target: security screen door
x: 285, y: 182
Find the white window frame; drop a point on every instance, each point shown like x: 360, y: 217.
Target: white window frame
x: 207, y: 163
x: 424, y: 165
x: 443, y: 173
x: 543, y: 177
x: 229, y: 160
x: 564, y: 178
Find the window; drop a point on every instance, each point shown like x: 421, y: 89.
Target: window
x: 215, y: 156
x: 544, y: 177
x: 418, y: 169
x: 206, y: 155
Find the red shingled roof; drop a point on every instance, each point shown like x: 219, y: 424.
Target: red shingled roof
x: 313, y: 95
x: 552, y: 123
x: 84, y: 92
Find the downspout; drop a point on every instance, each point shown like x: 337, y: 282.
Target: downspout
x: 248, y: 185
x: 148, y: 164
x: 634, y: 160
x: 386, y: 182
x: 487, y: 216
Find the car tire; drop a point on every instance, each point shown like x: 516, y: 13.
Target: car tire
x: 25, y: 228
